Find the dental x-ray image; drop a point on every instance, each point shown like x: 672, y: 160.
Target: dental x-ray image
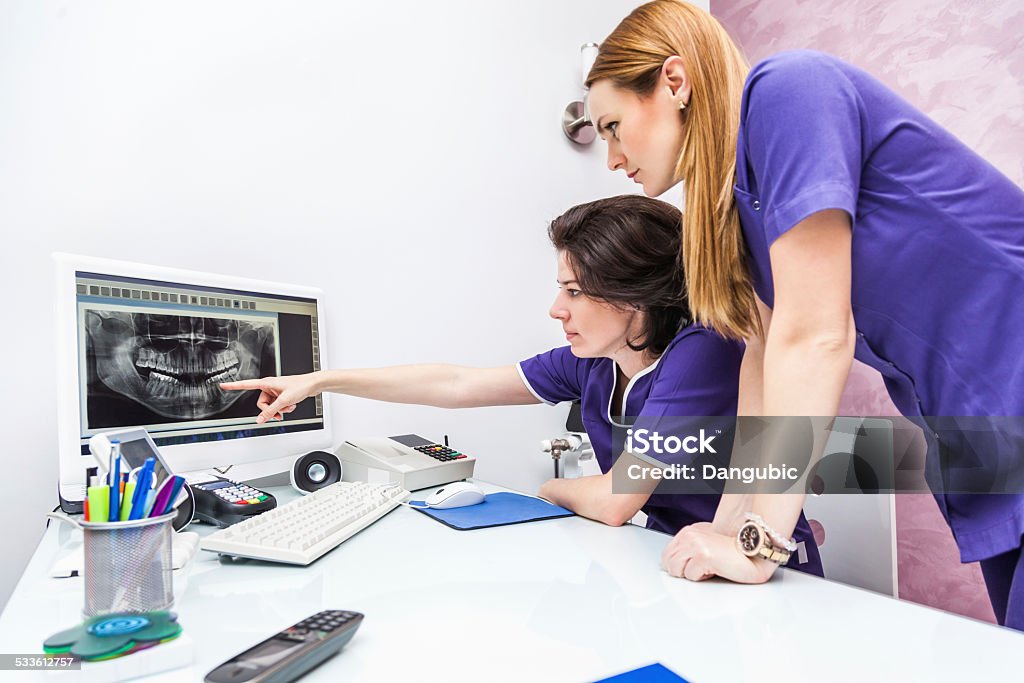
x: 148, y: 368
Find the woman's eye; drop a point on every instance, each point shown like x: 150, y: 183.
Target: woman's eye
x: 613, y: 128
x: 573, y: 293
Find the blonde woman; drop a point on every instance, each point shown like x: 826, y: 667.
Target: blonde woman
x: 826, y: 219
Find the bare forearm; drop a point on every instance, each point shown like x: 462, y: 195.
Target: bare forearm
x: 805, y: 374
x: 592, y: 497
x: 439, y: 385
x: 751, y: 389
x: 735, y: 501
x: 803, y: 378
x: 431, y: 385
x: 586, y: 496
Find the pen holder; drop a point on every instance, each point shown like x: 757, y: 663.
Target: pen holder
x: 128, y: 565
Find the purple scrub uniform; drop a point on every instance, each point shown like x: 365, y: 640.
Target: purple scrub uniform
x: 938, y: 269
x: 697, y: 375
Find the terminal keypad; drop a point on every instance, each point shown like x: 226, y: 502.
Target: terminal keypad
x: 442, y: 453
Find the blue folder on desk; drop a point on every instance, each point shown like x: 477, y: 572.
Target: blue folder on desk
x: 497, y: 509
x: 655, y: 673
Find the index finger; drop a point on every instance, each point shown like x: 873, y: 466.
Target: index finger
x: 242, y: 385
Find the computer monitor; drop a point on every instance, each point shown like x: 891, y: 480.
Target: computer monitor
x: 147, y: 346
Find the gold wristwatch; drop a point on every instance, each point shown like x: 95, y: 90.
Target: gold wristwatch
x: 757, y: 539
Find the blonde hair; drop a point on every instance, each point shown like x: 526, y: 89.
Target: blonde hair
x: 713, y: 251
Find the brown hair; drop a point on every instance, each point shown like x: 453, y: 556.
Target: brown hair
x: 625, y: 251
x: 713, y: 251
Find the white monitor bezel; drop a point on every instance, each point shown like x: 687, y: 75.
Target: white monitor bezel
x: 185, y: 457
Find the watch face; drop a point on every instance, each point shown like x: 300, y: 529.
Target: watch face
x: 750, y: 539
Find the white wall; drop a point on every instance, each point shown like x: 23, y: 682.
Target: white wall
x: 405, y: 157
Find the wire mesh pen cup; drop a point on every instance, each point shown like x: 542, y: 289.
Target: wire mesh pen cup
x: 127, y: 565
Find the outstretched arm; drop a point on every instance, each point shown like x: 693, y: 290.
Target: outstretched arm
x: 443, y: 386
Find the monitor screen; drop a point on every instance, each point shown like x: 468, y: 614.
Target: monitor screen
x: 152, y: 354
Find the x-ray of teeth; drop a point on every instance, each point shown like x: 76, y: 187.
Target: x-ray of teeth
x: 171, y: 365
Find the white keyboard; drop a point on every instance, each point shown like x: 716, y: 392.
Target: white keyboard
x: 305, y: 529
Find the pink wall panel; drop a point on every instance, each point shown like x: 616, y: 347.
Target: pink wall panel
x: 962, y: 62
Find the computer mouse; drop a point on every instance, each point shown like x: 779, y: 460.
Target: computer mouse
x: 456, y: 495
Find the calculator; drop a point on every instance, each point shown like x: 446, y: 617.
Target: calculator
x: 287, y: 655
x: 224, y: 502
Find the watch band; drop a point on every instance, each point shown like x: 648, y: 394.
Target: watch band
x: 757, y: 539
x: 778, y: 539
x: 772, y: 554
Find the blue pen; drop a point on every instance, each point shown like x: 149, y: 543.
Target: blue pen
x: 136, y: 475
x: 115, y: 451
x: 139, y: 498
x: 148, y: 505
x: 142, y: 489
x: 115, y: 485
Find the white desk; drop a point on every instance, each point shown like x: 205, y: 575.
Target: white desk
x: 557, y: 600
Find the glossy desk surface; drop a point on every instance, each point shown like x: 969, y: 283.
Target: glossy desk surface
x: 557, y: 600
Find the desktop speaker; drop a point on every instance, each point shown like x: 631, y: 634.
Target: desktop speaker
x: 313, y: 471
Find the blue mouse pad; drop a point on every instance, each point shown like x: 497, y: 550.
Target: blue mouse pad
x: 655, y: 673
x: 497, y: 509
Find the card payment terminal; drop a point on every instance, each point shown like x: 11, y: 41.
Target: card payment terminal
x: 224, y: 502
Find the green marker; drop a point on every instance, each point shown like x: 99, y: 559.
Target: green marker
x: 99, y: 503
x: 126, y: 503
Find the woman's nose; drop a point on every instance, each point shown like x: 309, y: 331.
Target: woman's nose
x: 615, y: 159
x: 557, y: 310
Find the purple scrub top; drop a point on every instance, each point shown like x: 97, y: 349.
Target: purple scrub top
x: 938, y: 258
x: 697, y: 375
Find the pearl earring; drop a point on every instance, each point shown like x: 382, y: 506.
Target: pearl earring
x: 682, y: 105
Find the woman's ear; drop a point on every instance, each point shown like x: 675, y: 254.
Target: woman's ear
x: 674, y: 77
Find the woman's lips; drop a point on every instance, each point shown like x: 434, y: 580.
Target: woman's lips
x: 569, y: 336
